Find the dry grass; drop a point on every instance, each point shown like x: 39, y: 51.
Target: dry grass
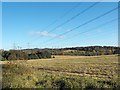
x: 94, y: 68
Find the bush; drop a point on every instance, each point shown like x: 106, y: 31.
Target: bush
x: 21, y: 55
x: 53, y: 56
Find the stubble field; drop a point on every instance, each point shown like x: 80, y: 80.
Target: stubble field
x: 62, y: 72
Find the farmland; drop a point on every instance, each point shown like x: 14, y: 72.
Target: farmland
x: 62, y: 72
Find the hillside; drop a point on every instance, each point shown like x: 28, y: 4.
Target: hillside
x: 82, y: 51
x: 36, y: 53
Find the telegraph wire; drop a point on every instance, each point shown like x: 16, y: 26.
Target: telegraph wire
x: 89, y: 21
x: 62, y: 16
x: 94, y: 36
x: 73, y: 17
x: 92, y: 29
x: 75, y: 35
x: 78, y: 14
x: 66, y: 13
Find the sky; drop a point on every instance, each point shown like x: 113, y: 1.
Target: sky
x: 28, y: 24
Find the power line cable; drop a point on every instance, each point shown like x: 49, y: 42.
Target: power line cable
x: 92, y: 29
x: 82, y: 25
x: 66, y: 13
x: 62, y: 16
x: 75, y: 35
x: 78, y: 14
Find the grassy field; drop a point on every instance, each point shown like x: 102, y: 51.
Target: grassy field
x: 62, y: 72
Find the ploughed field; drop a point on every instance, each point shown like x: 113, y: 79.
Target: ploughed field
x: 62, y: 72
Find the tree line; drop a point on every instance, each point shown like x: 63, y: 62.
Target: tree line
x: 22, y: 55
x: 36, y: 53
x: 87, y: 51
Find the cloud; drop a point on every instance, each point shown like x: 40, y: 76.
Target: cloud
x: 45, y: 34
x: 42, y: 33
x: 61, y: 37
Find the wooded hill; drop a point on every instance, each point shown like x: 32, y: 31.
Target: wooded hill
x: 87, y: 51
x: 36, y: 53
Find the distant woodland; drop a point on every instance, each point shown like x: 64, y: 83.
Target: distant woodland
x: 36, y: 53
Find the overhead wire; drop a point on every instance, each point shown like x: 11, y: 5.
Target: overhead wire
x: 78, y: 14
x: 89, y: 21
x: 89, y: 30
x: 62, y: 16
x: 73, y: 17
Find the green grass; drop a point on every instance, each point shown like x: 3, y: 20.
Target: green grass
x: 63, y: 72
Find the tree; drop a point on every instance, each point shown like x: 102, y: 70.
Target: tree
x: 6, y: 54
